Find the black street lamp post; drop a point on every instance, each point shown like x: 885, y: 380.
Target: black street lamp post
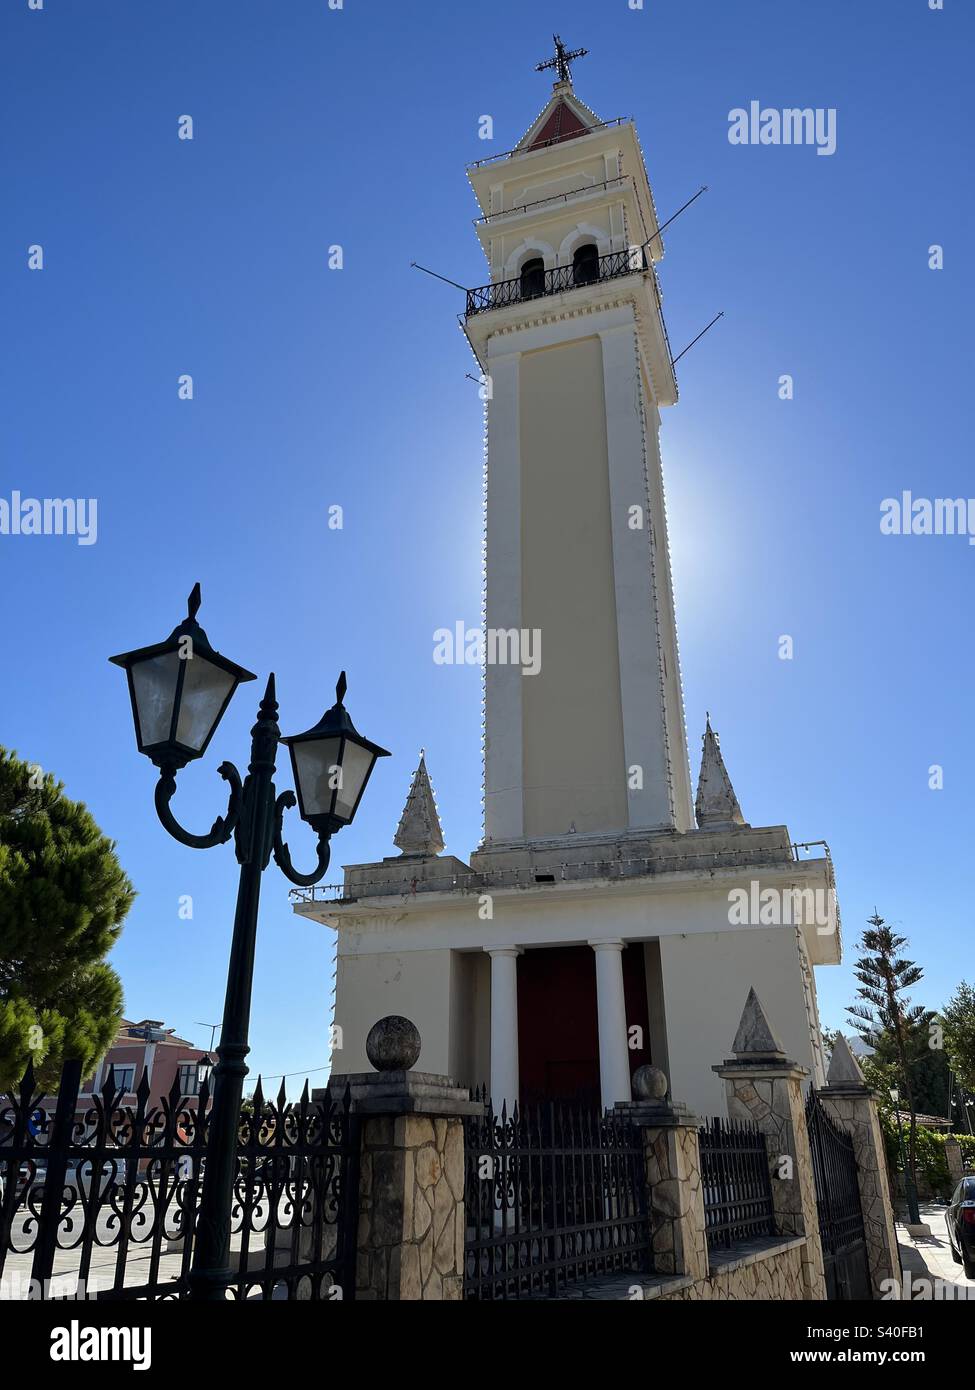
x: 180, y: 689
x: 910, y: 1191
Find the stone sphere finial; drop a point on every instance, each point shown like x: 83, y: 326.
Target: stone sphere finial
x: 393, y: 1043
x: 649, y: 1083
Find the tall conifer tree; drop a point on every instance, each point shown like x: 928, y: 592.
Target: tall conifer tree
x: 63, y: 899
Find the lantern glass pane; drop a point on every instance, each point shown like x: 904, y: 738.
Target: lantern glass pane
x: 154, y: 682
x: 355, y: 769
x: 205, y: 688
x: 318, y: 773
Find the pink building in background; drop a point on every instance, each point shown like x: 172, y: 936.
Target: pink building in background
x: 147, y: 1045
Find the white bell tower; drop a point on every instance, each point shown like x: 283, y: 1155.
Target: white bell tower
x: 571, y: 337
x: 597, y: 928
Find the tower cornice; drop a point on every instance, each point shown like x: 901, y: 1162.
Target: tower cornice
x: 506, y: 323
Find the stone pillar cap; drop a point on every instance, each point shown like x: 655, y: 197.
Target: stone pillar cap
x: 404, y: 1093
x: 760, y: 1066
x: 657, y: 1114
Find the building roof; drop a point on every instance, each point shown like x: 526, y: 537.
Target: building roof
x: 148, y: 1030
x: 927, y: 1121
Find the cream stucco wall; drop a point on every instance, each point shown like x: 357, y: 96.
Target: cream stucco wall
x: 706, y: 979
x: 417, y: 984
x: 572, y: 744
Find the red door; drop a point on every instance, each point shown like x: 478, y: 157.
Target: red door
x: 558, y: 1035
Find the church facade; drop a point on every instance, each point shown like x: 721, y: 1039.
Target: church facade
x: 608, y: 918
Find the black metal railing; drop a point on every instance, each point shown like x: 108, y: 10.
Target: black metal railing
x: 101, y: 1202
x: 737, y: 1183
x: 554, y: 1195
x: 631, y: 261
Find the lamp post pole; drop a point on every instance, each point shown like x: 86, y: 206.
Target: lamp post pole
x: 910, y: 1192
x: 254, y: 838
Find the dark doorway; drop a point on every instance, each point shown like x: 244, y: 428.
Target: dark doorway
x: 558, y: 1033
x: 533, y: 278
x: 585, y: 264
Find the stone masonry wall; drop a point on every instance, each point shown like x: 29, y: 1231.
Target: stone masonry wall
x: 410, y: 1242
x: 775, y: 1277
x: 774, y: 1104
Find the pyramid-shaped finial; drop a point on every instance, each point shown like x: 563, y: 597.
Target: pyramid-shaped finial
x: 419, y: 830
x: 844, y: 1069
x: 716, y: 805
x: 755, y: 1037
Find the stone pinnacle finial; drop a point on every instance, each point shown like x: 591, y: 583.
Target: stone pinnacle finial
x: 418, y: 832
x: 716, y: 805
x: 844, y: 1069
x: 755, y: 1038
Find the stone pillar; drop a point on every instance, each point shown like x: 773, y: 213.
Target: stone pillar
x: 764, y: 1088
x: 614, y: 1056
x: 853, y: 1106
x: 504, y: 1026
x: 673, y: 1168
x: 956, y: 1164
x: 410, y: 1238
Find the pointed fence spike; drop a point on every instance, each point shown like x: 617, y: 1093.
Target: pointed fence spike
x: 305, y: 1095
x: 27, y: 1083
x: 109, y: 1087
x: 175, y: 1093
x: 194, y: 601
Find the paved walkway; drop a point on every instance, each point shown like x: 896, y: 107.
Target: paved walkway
x: 929, y: 1258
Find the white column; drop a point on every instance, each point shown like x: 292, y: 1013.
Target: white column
x: 504, y: 1025
x: 614, y: 1057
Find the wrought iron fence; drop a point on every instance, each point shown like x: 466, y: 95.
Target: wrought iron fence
x: 556, y: 280
x: 841, y: 1230
x: 554, y: 1195
x: 101, y: 1202
x: 737, y: 1183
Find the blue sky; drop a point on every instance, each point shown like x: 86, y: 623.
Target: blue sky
x: 315, y: 387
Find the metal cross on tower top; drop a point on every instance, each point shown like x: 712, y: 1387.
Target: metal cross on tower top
x: 562, y: 60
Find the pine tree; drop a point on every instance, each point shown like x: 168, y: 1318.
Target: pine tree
x: 887, y: 1016
x: 958, y: 1020
x: 63, y: 899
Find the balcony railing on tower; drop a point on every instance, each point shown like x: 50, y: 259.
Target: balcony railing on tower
x: 534, y: 282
